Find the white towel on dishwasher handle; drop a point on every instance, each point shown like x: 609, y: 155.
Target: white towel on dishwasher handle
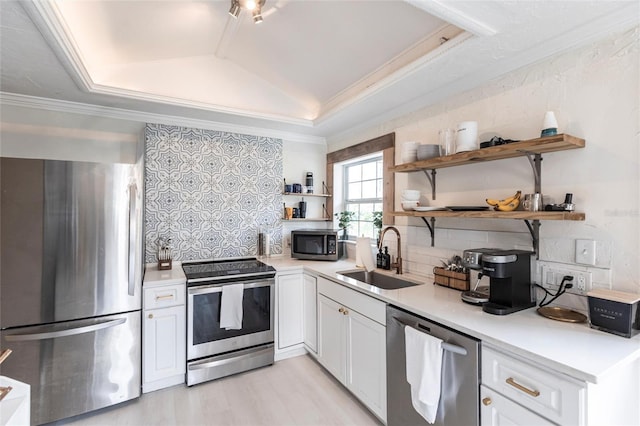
x: 231, y: 306
x: 424, y: 371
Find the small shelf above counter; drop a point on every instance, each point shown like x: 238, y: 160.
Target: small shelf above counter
x: 532, y: 149
x: 490, y: 214
x: 561, y: 142
x: 531, y: 219
x: 300, y: 194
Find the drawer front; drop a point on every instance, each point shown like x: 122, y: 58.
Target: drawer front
x: 553, y: 396
x: 165, y: 296
x: 496, y: 410
x: 366, y: 305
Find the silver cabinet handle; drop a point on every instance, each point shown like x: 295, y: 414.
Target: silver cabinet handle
x: 63, y: 333
x: 164, y: 297
x: 132, y: 239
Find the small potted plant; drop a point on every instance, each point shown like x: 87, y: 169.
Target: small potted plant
x: 343, y: 221
x: 377, y: 224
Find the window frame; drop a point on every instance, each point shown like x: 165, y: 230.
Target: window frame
x: 346, y: 202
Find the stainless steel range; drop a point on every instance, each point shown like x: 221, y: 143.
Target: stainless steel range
x: 214, y: 351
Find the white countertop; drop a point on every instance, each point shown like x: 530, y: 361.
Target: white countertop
x: 574, y: 349
x: 155, y: 277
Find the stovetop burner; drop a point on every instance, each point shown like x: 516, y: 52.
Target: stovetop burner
x: 225, y: 269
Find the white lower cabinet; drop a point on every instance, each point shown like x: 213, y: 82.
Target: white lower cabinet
x: 310, y: 321
x: 352, y: 343
x: 296, y: 314
x: 290, y: 310
x: 553, y: 396
x: 496, y: 410
x: 164, y: 337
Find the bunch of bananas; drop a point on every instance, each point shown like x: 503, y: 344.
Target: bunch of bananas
x: 506, y: 205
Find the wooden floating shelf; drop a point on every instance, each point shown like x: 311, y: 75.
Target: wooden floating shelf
x: 559, y: 142
x: 301, y: 194
x: 491, y: 214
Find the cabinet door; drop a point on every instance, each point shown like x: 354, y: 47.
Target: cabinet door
x: 164, y: 346
x: 331, y: 337
x: 290, y: 310
x: 496, y: 410
x: 310, y: 320
x: 366, y: 361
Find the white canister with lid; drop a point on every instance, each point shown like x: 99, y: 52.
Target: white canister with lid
x: 467, y: 136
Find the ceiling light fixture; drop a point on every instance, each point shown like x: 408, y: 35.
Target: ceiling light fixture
x: 255, y: 6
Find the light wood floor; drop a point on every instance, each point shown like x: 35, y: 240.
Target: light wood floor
x: 295, y: 391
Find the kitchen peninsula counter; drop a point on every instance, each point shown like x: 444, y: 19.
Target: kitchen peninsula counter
x: 573, y: 349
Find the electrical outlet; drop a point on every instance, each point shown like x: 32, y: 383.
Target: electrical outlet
x: 552, y: 277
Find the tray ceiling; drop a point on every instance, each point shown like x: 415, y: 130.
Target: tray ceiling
x: 312, y: 67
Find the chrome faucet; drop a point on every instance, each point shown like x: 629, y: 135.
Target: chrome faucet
x: 398, y: 263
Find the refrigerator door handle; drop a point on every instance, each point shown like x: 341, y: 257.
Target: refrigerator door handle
x: 63, y: 333
x: 131, y: 268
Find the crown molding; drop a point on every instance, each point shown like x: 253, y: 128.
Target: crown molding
x: 24, y: 101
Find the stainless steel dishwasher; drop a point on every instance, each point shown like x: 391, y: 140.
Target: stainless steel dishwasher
x: 459, y: 395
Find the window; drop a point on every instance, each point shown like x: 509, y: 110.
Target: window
x: 363, y: 186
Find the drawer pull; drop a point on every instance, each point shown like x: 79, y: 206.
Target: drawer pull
x: 164, y: 297
x: 533, y: 393
x: 345, y: 312
x: 486, y: 401
x: 341, y: 310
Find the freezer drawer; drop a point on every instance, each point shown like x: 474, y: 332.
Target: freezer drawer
x: 76, y: 366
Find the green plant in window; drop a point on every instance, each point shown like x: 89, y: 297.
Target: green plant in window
x: 377, y: 224
x: 377, y: 220
x: 344, y: 218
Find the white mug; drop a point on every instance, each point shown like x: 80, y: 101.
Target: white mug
x: 467, y: 136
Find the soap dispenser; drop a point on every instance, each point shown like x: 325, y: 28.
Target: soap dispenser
x: 379, y: 258
x: 386, y: 263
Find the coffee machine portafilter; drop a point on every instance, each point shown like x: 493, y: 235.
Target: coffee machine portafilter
x: 510, y: 288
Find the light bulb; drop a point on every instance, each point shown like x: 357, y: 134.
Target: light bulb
x: 250, y: 4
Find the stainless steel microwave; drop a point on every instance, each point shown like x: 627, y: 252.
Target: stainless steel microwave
x: 316, y: 244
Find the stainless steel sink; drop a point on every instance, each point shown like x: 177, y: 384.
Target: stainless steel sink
x: 383, y: 281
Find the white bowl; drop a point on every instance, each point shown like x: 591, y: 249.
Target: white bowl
x: 410, y: 195
x: 409, y: 205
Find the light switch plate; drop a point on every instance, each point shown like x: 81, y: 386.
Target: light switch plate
x: 586, y: 252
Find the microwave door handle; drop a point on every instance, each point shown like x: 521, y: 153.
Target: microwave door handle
x: 131, y: 240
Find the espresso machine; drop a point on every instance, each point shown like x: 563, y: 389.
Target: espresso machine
x: 472, y: 259
x: 510, y: 288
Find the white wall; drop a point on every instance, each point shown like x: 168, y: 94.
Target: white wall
x: 38, y: 133
x: 298, y: 159
x: 594, y: 92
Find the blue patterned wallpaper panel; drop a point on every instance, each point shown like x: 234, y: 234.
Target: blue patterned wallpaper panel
x: 211, y: 192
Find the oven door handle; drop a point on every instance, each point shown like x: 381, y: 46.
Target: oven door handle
x: 215, y: 288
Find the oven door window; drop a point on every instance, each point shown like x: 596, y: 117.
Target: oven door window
x: 256, y: 303
x: 308, y: 244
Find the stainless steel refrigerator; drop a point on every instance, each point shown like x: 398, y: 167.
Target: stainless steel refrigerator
x: 71, y: 272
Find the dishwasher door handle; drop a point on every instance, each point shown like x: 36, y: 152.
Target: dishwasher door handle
x: 446, y: 346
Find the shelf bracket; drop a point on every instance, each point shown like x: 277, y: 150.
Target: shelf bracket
x: 432, y: 181
x: 534, y: 230
x: 536, y: 165
x: 431, y: 224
